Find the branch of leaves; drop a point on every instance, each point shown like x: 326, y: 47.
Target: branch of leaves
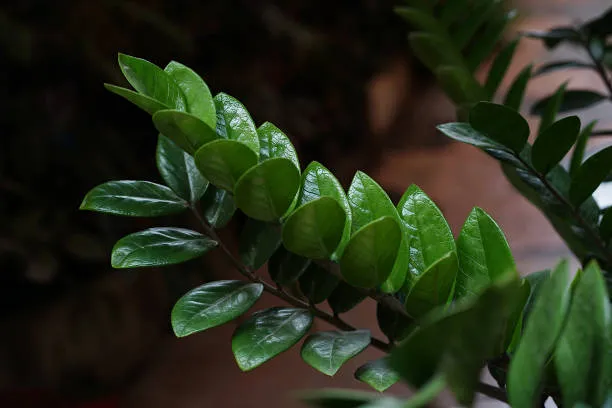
x: 564, y: 196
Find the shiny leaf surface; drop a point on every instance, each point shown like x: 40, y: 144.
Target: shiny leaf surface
x: 286, y: 267
x: 554, y: 143
x: 500, y: 123
x: 234, y: 122
x: 223, y: 162
x: 317, y: 284
x: 590, y: 175
x: 328, y: 351
x: 274, y: 143
x: 344, y: 298
x: 377, y: 374
x: 185, y: 129
x: 144, y: 102
x: 217, y: 207
x: 258, y: 242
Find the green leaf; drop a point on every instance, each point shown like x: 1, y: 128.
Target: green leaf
x: 369, y: 256
x: 426, y: 394
x: 553, y: 143
x: 218, y: 207
x: 337, y: 398
x: 315, y: 229
x: 480, y: 13
x: 344, y: 298
x: 605, y: 226
x: 328, y: 351
x: 258, y: 242
x: 159, y: 247
x: 555, y: 36
x: 274, y: 143
x: 581, y: 355
x: 484, y: 255
x: 459, y: 84
x: 433, y: 51
x: 599, y: 26
x: 395, y: 325
x: 152, y: 81
x: 429, y: 236
x: 185, y: 129
x: 197, y: 95
x: 433, y: 287
x: 377, y: 374
x: 223, y: 162
x: 514, y: 326
x: 144, y: 102
x: 490, y: 38
x: 286, y: 267
x: 266, y: 191
x: 573, y: 99
x: 580, y: 147
x: 541, y: 332
x: 317, y: 284
x: 213, y: 304
x: 499, y: 68
x: 501, y: 124
x: 179, y: 171
x: 268, y: 333
x: 550, y: 110
x: 590, y: 175
x: 561, y: 66
x: 516, y: 93
x: 235, y: 123
x: 134, y: 199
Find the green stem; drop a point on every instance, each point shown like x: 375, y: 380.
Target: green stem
x: 427, y: 393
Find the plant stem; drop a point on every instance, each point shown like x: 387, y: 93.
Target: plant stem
x: 601, y: 70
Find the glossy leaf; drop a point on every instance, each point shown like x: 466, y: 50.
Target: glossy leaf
x: 179, y: 171
x: 501, y: 124
x: 582, y: 356
x: 185, y: 129
x: 377, y: 374
x: 213, y: 304
x: 266, y: 191
x: 274, y: 143
x: 344, y: 298
x: 541, y: 332
x: 578, y: 153
x: 499, y: 68
x: 561, y: 66
x: 573, y: 99
x: 152, y: 81
x: 369, y: 256
x: 328, y: 351
x: 484, y: 255
x: 317, y: 284
x: 315, y: 229
x: 554, y: 142
x: 197, y: 95
x: 235, y: 123
x: 134, y: 199
x: 223, y: 162
x: 551, y: 109
x: 159, y: 247
x: 218, y: 207
x: 258, y: 242
x: 516, y: 93
x: 395, y: 325
x: 286, y: 267
x: 590, y: 175
x: 433, y: 287
x: 268, y: 333
x: 144, y: 102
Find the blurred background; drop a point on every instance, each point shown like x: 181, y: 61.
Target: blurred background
x: 337, y: 76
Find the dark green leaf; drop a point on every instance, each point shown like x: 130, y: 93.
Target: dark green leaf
x: 152, y: 81
x: 134, y: 199
x: 328, y: 351
x: 179, y: 171
x: 286, y: 267
x: 317, y: 284
x: 344, y: 298
x: 268, y: 333
x: 554, y: 142
x: 426, y: 394
x: 490, y: 37
x: 514, y: 325
x: 197, y: 95
x: 581, y: 356
x: 590, y: 175
x: 555, y: 36
x: 600, y: 26
x: 573, y: 99
x: 377, y: 374
x: 501, y: 124
x: 580, y: 147
x: 550, y: 110
x: 421, y: 20
x: 338, y: 398
x: 266, y: 191
x: 499, y: 68
x: 235, y: 123
x: 369, y: 256
x: 274, y: 143
x: 605, y: 226
x: 144, y: 102
x: 484, y: 255
x: 459, y: 84
x: 433, y: 287
x: 516, y: 93
x: 223, y: 162
x: 185, y: 129
x: 560, y: 66
x: 395, y: 325
x: 315, y: 229
x: 218, y: 207
x: 213, y: 304
x: 541, y: 332
x: 258, y: 241
x: 433, y: 51
x: 480, y: 13
x: 159, y: 247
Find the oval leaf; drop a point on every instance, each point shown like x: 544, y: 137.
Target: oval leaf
x: 573, y: 99
x: 501, y: 124
x: 179, y: 171
x: 344, y: 298
x: 516, y: 93
x: 590, y: 175
x: 185, y: 129
x: 159, y: 247
x: 134, y: 199
x: 258, y: 241
x: 315, y: 229
x: 317, y: 283
x: 395, y: 325
x: 144, y: 102
x: 286, y: 267
x: 274, y: 143
x: 369, y: 256
x: 268, y: 333
x: 217, y: 207
x: 235, y: 123
x: 377, y: 374
x: 554, y: 143
x: 499, y: 68
x: 484, y: 255
x: 266, y: 191
x: 223, y: 162
x: 213, y: 304
x: 328, y: 351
